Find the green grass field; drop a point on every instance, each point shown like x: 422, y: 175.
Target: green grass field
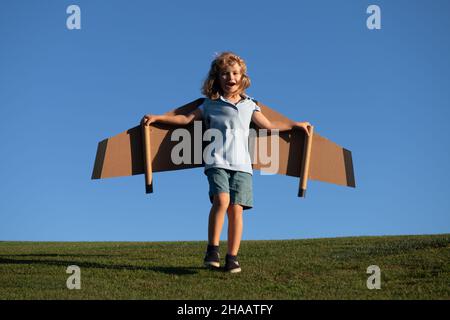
x: 412, y: 267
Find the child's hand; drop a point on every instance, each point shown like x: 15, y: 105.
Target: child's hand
x: 305, y: 126
x: 148, y: 119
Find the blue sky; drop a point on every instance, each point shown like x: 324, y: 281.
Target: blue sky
x: 383, y: 94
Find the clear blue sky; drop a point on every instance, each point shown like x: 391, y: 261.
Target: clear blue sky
x: 383, y: 94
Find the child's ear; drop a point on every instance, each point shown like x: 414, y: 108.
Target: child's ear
x: 245, y: 82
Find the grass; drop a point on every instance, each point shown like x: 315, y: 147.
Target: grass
x: 412, y: 267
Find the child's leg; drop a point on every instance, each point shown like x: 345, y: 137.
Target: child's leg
x: 235, y: 226
x: 217, y: 217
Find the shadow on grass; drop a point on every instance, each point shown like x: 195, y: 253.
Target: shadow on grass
x: 54, y: 255
x: 167, y: 270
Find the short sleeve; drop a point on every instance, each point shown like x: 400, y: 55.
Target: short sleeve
x: 256, y: 108
x: 202, y: 108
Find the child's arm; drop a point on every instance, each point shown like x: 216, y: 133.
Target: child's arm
x: 261, y: 121
x: 179, y: 119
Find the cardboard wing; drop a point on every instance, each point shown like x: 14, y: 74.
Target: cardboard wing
x: 144, y: 150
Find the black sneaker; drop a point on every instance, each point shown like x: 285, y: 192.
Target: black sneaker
x: 212, y: 259
x: 231, y: 264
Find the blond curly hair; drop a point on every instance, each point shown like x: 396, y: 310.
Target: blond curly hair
x: 211, y: 86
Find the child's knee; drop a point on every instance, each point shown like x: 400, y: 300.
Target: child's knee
x: 222, y: 200
x: 234, y: 210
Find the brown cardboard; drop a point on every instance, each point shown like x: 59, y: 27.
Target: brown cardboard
x: 125, y: 153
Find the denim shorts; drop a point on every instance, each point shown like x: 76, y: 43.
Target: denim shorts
x: 237, y: 183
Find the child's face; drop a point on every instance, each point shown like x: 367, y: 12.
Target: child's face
x: 230, y: 79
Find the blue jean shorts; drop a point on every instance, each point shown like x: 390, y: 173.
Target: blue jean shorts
x: 237, y: 183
